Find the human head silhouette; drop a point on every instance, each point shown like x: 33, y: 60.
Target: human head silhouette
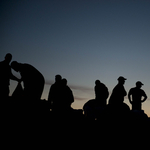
x: 139, y: 84
x: 15, y: 65
x: 8, y: 58
x: 64, y: 81
x: 97, y: 82
x: 121, y: 80
x: 58, y: 78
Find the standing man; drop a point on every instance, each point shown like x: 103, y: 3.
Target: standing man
x: 32, y: 79
x: 55, y: 93
x: 118, y: 93
x: 137, y: 93
x: 5, y: 77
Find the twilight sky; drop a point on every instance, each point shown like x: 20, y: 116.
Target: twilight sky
x: 83, y: 40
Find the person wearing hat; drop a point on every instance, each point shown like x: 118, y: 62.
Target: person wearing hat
x: 118, y: 93
x: 137, y: 93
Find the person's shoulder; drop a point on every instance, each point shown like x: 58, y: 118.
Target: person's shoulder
x: 118, y: 86
x: 102, y: 84
x: 142, y: 90
x: 132, y: 89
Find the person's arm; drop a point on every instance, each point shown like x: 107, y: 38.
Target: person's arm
x: 129, y: 96
x: 12, y: 77
x: 145, y: 97
x: 125, y: 93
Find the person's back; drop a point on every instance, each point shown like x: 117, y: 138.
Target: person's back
x: 33, y: 80
x: 101, y: 93
x: 30, y: 74
x: 67, y: 95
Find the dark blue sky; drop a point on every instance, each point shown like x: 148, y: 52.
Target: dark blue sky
x: 83, y: 40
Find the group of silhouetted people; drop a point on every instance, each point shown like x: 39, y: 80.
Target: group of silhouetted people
x: 32, y: 79
x: 136, y: 97
x: 60, y: 95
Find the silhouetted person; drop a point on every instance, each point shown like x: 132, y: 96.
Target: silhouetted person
x: 67, y: 95
x: 137, y: 93
x: 118, y: 93
x: 95, y: 107
x: 32, y: 79
x: 101, y: 93
x: 54, y: 96
x: 5, y: 76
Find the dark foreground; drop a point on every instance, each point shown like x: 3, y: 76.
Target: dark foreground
x: 32, y: 124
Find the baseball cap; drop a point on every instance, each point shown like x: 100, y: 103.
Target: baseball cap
x: 121, y: 78
x: 139, y: 83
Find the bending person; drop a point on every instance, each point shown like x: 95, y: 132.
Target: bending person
x: 32, y: 79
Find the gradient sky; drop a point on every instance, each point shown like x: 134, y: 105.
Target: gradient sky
x: 83, y: 40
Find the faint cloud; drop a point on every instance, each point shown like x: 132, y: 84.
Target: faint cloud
x: 81, y: 88
x: 79, y: 98
x: 75, y: 87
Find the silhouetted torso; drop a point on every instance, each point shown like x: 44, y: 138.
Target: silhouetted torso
x: 67, y: 96
x: 118, y: 94
x: 33, y: 81
x: 136, y: 97
x: 60, y: 96
x: 5, y: 73
x: 54, y: 97
x: 4, y: 78
x: 101, y: 94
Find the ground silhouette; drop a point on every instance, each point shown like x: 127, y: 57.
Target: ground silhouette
x: 38, y: 111
x: 34, y: 125
x: 27, y: 117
